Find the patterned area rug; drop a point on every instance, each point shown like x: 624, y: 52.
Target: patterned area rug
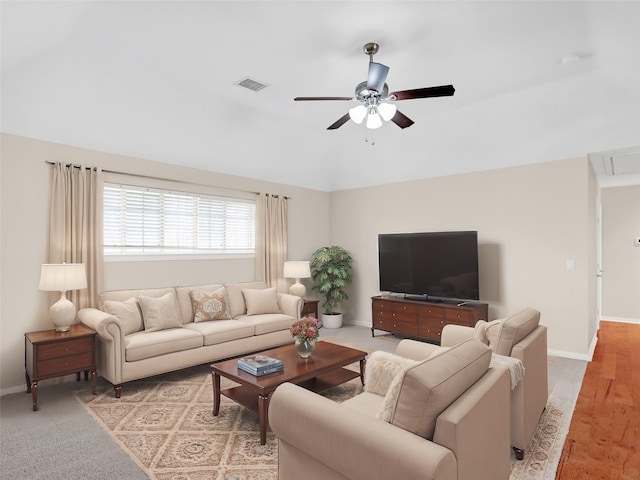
x: 165, y: 424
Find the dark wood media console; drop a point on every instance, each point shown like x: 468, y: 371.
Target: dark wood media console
x: 422, y: 319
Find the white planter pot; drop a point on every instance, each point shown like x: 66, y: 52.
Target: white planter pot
x: 331, y: 321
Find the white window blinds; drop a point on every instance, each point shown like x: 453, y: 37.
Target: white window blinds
x: 140, y: 220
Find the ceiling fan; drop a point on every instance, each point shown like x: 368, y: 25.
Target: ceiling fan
x: 373, y: 97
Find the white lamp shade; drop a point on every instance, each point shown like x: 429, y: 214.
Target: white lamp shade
x: 297, y: 269
x: 60, y: 277
x: 374, y: 121
x: 358, y: 113
x: 387, y: 111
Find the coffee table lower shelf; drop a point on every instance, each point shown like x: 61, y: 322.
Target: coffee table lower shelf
x: 247, y: 397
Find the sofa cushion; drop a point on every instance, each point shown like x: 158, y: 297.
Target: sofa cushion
x: 267, y: 322
x: 483, y: 328
x: 382, y: 368
x: 261, y: 301
x: 420, y: 394
x: 236, y: 298
x: 141, y: 345
x: 123, y: 295
x: 221, y: 331
x: 159, y: 313
x: 127, y: 312
x: 209, y: 305
x: 505, y: 334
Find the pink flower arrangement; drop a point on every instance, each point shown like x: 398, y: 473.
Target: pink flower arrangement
x: 306, y: 328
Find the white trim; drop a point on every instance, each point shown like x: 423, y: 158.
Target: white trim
x: 621, y: 320
x: 178, y: 256
x: 573, y: 355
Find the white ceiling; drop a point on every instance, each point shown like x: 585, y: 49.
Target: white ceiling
x: 156, y: 80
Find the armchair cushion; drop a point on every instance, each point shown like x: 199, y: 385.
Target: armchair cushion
x: 209, y: 305
x: 159, y: 313
x: 382, y: 368
x: 127, y: 312
x: 261, y: 301
x: 418, y: 395
x: 503, y: 335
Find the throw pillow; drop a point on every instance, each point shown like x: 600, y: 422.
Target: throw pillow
x: 235, y: 297
x: 492, y: 331
x: 127, y: 312
x: 209, y: 305
x: 420, y: 394
x: 382, y: 368
x: 159, y: 313
x: 261, y: 301
x: 515, y: 328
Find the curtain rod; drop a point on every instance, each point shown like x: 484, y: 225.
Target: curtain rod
x: 159, y: 178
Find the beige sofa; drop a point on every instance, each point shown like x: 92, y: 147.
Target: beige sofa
x: 443, y: 418
x: 141, y: 333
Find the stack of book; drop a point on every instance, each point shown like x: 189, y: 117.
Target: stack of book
x: 260, y: 365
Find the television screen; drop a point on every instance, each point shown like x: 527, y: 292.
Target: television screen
x: 432, y: 264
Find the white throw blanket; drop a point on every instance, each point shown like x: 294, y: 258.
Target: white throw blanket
x: 514, y: 365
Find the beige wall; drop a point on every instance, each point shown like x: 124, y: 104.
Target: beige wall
x: 530, y: 221
x: 24, y: 204
x: 620, y: 257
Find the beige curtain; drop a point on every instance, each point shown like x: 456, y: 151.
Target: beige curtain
x: 271, y: 238
x: 75, y: 226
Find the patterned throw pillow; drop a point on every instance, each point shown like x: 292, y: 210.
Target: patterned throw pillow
x: 159, y: 313
x: 209, y: 305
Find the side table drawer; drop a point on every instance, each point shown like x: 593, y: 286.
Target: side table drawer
x: 65, y: 348
x: 61, y: 365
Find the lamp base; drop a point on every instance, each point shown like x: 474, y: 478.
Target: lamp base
x: 298, y: 289
x: 63, y: 313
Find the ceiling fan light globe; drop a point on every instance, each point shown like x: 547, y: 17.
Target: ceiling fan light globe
x: 387, y: 111
x: 374, y: 121
x: 358, y: 113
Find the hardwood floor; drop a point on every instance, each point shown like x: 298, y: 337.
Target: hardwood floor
x: 604, y: 437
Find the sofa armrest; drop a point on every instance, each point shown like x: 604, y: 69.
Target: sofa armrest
x: 476, y: 428
x: 348, y: 444
x: 415, y: 350
x: 290, y: 304
x: 110, y: 342
x: 454, y: 334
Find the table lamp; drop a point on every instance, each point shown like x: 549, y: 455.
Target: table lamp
x: 297, y: 270
x: 60, y: 277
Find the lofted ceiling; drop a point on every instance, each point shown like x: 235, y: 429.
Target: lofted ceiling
x: 158, y: 80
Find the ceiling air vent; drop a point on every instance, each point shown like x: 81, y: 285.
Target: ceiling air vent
x: 623, y: 164
x: 251, y: 84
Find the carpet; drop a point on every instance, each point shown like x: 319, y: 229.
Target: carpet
x: 165, y: 424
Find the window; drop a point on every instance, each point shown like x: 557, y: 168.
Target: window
x: 143, y: 221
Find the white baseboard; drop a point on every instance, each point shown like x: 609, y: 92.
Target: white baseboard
x: 573, y: 355
x: 621, y: 319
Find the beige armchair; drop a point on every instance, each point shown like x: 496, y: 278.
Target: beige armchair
x: 443, y: 418
x: 519, y: 336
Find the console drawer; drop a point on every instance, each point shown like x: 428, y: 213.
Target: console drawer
x: 460, y: 316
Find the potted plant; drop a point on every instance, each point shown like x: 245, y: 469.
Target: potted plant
x: 331, y: 272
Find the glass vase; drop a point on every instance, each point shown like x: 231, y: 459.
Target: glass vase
x: 305, y: 347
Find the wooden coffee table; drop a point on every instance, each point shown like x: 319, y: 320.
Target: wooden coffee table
x: 323, y: 370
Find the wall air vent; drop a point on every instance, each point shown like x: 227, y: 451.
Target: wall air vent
x: 251, y: 84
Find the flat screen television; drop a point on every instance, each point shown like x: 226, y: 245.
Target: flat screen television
x: 430, y: 265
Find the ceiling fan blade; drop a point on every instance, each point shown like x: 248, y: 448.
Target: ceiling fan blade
x: 377, y: 76
x: 402, y: 120
x: 441, y: 91
x: 338, y: 123
x: 304, y: 99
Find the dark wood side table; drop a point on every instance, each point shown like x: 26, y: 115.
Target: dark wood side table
x: 50, y: 354
x: 310, y: 308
